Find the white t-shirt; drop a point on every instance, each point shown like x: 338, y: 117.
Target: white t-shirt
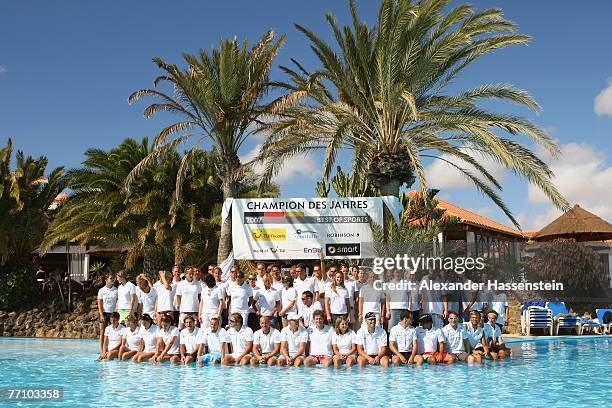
x: 306, y: 312
x: 432, y: 299
x: 278, y: 285
x: 397, y: 298
x: 210, y: 299
x: 302, y: 286
x: 132, y: 338
x: 371, y: 342
x: 147, y: 300
x: 212, y: 339
x: 371, y: 299
x: 491, y: 332
x: 166, y: 335
x: 349, y: 284
x: 125, y: 293
x: 403, y: 337
x: 240, y: 298
x: 288, y: 295
x: 188, y: 291
x: 294, y: 339
x: 320, y: 341
x: 266, y: 341
x: 165, y: 297
x: 189, y: 339
x: 109, y: 298
x: 337, y: 300
x: 344, y: 342
x: 239, y: 339
x: 454, y: 339
x: 114, y: 335
x: 428, y: 339
x: 474, y: 336
x: 266, y: 300
x: 149, y: 337
x: 499, y: 304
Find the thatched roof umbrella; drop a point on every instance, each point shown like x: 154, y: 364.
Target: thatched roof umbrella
x: 578, y: 224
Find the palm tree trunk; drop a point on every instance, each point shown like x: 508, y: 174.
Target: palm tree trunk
x: 225, y: 238
x: 390, y: 188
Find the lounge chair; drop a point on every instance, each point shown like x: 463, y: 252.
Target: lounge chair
x: 536, y: 317
x: 604, y: 318
x: 564, y: 319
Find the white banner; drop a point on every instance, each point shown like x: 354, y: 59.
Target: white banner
x: 301, y: 228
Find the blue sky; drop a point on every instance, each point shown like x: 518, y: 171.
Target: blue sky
x: 66, y: 69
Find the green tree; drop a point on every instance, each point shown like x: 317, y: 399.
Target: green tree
x: 383, y: 93
x: 219, y: 98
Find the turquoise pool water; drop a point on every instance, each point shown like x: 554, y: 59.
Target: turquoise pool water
x: 564, y: 373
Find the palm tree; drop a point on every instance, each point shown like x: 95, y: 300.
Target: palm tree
x: 25, y: 196
x: 383, y: 93
x: 219, y: 97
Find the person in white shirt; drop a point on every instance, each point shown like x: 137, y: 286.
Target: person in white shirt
x: 288, y: 299
x: 350, y: 285
x: 211, y: 301
x: 403, y: 342
x: 371, y: 300
x: 475, y: 336
x: 293, y: 342
x: 320, y: 341
x: 166, y: 292
x: 210, y: 342
x: 146, y: 294
x: 188, y: 346
x: 277, y: 280
x: 372, y: 343
x: 107, y: 304
x: 306, y: 310
x: 303, y: 283
x: 253, y: 318
x: 240, y: 297
x: 261, y: 272
x: 268, y: 301
x: 317, y: 277
x: 126, y: 297
x: 266, y: 343
x: 457, y: 343
x: 337, y: 300
x: 494, y: 343
x: 167, y: 342
x: 396, y: 299
x: 112, y: 338
x: 239, y: 338
x: 188, y: 297
x: 435, y: 303
x: 499, y: 304
x: 148, y: 340
x: 130, y: 339
x: 431, y: 342
x: 343, y: 344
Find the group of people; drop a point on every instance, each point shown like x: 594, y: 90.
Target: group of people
x: 334, y: 317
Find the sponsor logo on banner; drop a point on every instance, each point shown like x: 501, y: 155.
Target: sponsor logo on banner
x: 313, y: 250
x: 269, y: 234
x: 304, y: 234
x: 342, y: 249
x: 342, y: 234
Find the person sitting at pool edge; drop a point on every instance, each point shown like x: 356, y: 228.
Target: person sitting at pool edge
x: 431, y: 342
x: 112, y: 338
x: 240, y: 340
x: 210, y: 343
x: 494, y: 343
x: 130, y: 339
x: 343, y: 344
x: 293, y: 342
x: 320, y: 337
x: 148, y: 339
x: 266, y: 343
x: 372, y: 343
x: 456, y: 339
x: 167, y: 342
x: 188, y: 341
x: 403, y: 341
x: 475, y: 336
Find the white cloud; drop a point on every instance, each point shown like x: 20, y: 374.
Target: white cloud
x: 442, y: 175
x: 293, y: 168
x: 583, y: 176
x: 603, y: 101
x: 2, y: 69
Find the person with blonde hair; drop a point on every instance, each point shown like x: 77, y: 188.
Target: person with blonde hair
x: 268, y: 300
x: 146, y: 294
x: 337, y: 301
x: 130, y: 339
x: 343, y: 343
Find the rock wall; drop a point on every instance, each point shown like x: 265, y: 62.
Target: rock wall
x: 52, y: 321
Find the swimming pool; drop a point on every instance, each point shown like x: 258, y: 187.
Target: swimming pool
x: 564, y: 372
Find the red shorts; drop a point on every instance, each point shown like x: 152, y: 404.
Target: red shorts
x: 320, y: 358
x: 434, y: 354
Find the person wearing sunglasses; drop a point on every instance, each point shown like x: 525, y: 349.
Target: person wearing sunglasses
x: 457, y: 341
x: 240, y: 340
